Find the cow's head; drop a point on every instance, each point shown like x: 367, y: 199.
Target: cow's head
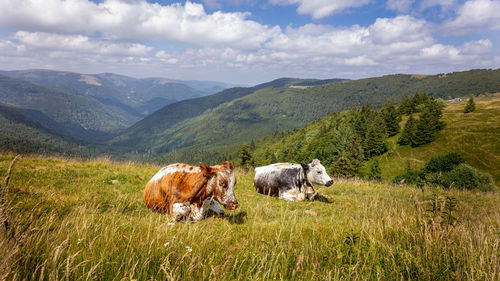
x: 316, y: 173
x: 222, y: 183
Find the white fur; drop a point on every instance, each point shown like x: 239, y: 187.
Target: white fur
x: 180, y: 210
x: 170, y: 169
x: 293, y: 195
x: 317, y: 173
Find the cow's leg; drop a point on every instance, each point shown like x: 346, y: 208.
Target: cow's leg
x: 215, y: 208
x: 180, y: 210
x: 310, y: 193
x: 293, y: 194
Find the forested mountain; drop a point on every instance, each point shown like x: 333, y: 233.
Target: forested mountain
x: 65, y: 111
x: 21, y: 134
x: 144, y: 135
x: 253, y: 113
x: 138, y: 97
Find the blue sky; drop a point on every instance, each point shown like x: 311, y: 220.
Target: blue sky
x: 249, y: 42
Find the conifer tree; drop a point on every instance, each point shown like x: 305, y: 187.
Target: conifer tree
x: 408, y: 131
x: 375, y: 172
x: 425, y: 128
x: 471, y: 106
x: 391, y: 118
x: 245, y: 156
x: 404, y: 106
x: 428, y: 124
x: 375, y: 139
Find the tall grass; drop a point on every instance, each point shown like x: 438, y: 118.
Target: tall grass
x: 474, y: 136
x: 71, y: 220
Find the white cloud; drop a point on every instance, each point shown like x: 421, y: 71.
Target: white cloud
x: 401, y: 28
x: 475, y: 15
x: 321, y: 8
x: 135, y: 38
x: 79, y: 43
x: 360, y: 61
x: 136, y: 20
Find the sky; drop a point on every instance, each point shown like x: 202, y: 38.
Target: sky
x: 249, y: 42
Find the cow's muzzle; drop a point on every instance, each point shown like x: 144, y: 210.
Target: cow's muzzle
x: 232, y: 205
x: 330, y: 182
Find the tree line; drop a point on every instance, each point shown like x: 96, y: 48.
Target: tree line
x: 345, y: 141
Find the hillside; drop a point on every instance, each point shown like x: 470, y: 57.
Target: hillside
x: 267, y: 110
x: 21, y: 134
x: 86, y: 221
x: 475, y: 136
x: 64, y: 111
x: 145, y: 134
x: 139, y: 97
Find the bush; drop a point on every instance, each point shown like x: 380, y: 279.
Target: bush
x: 410, y: 177
x: 467, y: 177
x: 443, y: 163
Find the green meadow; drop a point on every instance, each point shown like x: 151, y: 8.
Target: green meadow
x: 85, y: 220
x: 474, y: 135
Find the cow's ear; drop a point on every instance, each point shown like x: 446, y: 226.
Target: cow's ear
x: 315, y: 162
x: 228, y: 165
x: 207, y: 170
x: 305, y: 167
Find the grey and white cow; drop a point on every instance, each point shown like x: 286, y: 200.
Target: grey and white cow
x: 291, y: 182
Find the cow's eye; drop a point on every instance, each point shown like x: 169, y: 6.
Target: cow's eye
x: 319, y: 172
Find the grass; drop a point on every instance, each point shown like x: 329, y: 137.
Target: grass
x: 85, y: 220
x: 474, y: 135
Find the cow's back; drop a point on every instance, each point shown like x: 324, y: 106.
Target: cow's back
x: 176, y: 183
x: 275, y: 178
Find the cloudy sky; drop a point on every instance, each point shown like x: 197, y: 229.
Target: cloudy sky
x: 249, y: 42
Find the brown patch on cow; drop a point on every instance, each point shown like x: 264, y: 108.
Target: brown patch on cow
x: 177, y: 187
x: 227, y: 164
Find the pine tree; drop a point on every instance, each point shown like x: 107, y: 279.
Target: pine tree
x: 375, y: 139
x: 408, y: 131
x: 405, y: 106
x: 350, y: 161
x: 391, y: 118
x: 425, y: 129
x: 470, y: 107
x: 375, y: 172
x: 245, y: 156
x: 428, y: 124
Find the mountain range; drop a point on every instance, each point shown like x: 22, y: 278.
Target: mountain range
x: 93, y: 107
x: 117, y: 113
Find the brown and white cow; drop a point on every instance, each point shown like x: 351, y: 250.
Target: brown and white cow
x: 188, y: 192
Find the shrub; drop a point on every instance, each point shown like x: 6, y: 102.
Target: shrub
x: 467, y: 177
x: 410, y: 177
x: 443, y: 163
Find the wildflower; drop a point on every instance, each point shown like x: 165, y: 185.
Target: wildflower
x: 170, y: 223
x: 189, y: 249
x: 166, y: 244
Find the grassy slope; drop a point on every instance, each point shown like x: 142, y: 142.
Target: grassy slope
x: 82, y: 226
x: 475, y: 136
x: 271, y: 109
